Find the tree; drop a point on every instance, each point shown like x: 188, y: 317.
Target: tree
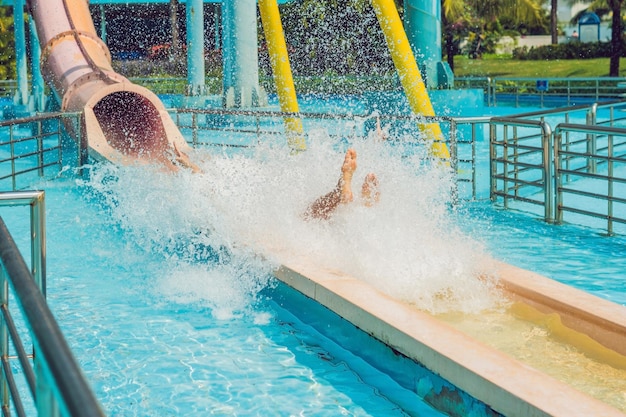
x: 7, y: 44
x: 482, y: 22
x: 602, y: 8
x: 617, y: 40
x: 554, y: 29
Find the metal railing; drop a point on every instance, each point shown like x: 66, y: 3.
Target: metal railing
x: 520, y: 168
x: 546, y: 92
x: 34, y: 146
x: 579, y: 168
x: 54, y: 379
x: 244, y: 129
x: 592, y: 168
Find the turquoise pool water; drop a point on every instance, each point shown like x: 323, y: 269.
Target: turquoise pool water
x: 157, y: 286
x: 158, y: 336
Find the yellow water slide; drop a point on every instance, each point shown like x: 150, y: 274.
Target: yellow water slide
x: 408, y: 72
x: 401, y: 53
x: 279, y: 59
x: 122, y: 122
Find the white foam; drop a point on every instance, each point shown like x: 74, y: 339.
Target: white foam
x: 407, y: 245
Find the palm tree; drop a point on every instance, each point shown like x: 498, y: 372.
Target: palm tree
x: 601, y: 7
x: 554, y: 30
x: 459, y: 15
x: 616, y: 36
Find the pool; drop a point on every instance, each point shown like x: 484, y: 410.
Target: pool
x: 156, y: 281
x: 159, y: 336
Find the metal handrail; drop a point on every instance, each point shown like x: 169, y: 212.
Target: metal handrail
x: 568, y: 89
x: 35, y: 145
x: 56, y: 383
x: 455, y: 138
x: 519, y: 166
x: 607, y: 156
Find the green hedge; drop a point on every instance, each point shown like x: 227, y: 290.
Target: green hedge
x: 570, y: 50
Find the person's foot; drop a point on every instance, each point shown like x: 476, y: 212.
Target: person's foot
x: 347, y: 170
x: 369, y: 190
x: 183, y: 159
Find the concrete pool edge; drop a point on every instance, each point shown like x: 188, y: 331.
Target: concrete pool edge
x: 506, y: 385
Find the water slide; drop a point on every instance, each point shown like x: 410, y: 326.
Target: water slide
x: 122, y: 122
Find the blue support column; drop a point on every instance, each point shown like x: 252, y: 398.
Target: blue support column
x: 240, y: 54
x: 103, y: 24
x: 217, y: 20
x: 422, y: 21
x: 21, y: 96
x: 195, y: 47
x: 38, y: 85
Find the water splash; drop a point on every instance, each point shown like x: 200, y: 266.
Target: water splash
x: 213, y: 226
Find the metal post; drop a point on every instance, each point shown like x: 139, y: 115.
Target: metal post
x: 38, y: 239
x: 40, y: 157
x: 103, y: 24
x: 241, y: 55
x: 546, y: 133
x: 12, y: 142
x: 558, y: 178
x: 38, y: 87
x: 505, y: 165
x: 592, y: 164
x: 4, y: 340
x: 194, y: 129
x: 422, y: 19
x: 474, y: 161
x: 195, y: 47
x: 610, y: 185
x: 216, y: 21
x: 492, y: 162
x: 21, y: 97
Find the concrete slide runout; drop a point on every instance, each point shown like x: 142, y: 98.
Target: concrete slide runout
x: 504, y: 384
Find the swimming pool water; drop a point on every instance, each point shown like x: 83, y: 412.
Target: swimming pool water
x: 153, y: 347
x: 168, y: 332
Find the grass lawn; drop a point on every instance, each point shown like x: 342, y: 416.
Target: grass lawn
x: 500, y: 66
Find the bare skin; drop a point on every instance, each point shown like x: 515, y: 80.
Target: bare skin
x: 325, y: 206
x: 382, y: 135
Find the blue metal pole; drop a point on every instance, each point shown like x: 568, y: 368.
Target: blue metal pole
x: 21, y: 97
x: 195, y: 47
x: 216, y: 20
x: 38, y: 87
x: 240, y: 54
x: 103, y: 24
x: 422, y: 20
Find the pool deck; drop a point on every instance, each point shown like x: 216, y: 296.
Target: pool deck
x: 503, y: 384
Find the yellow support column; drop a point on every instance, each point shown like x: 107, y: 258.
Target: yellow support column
x: 277, y: 48
x: 408, y: 72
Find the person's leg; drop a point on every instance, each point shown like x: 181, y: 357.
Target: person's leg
x: 380, y: 133
x: 324, y: 206
x: 369, y: 190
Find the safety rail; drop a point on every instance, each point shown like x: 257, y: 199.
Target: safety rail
x: 246, y: 128
x: 54, y: 379
x: 33, y: 145
x: 577, y: 169
x: 520, y: 167
x: 585, y: 167
x: 546, y: 92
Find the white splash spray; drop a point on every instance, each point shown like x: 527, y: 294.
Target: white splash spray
x: 213, y: 225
